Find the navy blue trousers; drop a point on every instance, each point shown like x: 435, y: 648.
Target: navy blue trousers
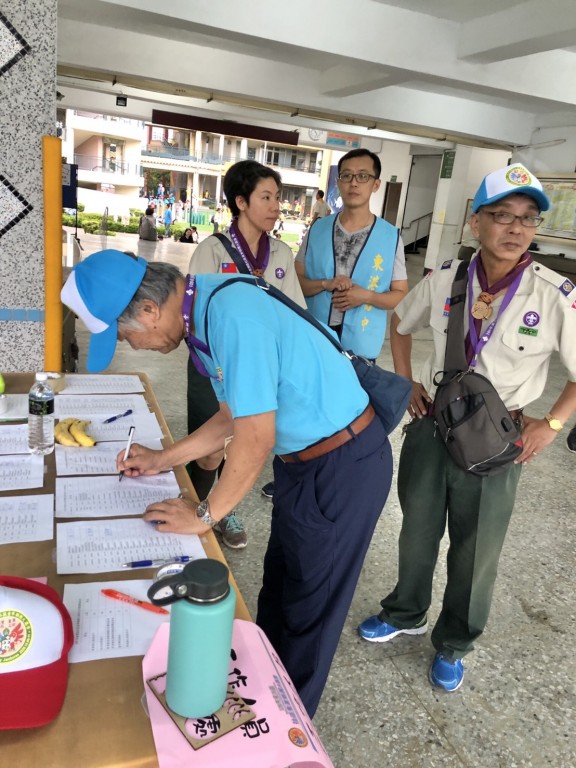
x: 324, y: 515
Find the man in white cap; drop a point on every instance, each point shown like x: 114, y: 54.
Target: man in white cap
x: 528, y: 312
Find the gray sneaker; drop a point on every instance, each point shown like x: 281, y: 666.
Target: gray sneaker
x: 232, y: 531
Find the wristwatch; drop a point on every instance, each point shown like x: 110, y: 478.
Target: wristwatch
x: 553, y: 423
x: 203, y: 512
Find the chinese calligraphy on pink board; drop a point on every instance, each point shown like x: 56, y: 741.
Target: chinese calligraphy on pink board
x: 279, y: 733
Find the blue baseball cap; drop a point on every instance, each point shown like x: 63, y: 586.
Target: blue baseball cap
x: 512, y: 180
x: 98, y: 290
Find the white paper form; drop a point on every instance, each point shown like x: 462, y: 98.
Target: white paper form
x: 98, y: 546
x: 94, y: 384
x: 146, y: 425
x: 106, y: 497
x: 17, y: 408
x: 26, y: 518
x: 99, y: 460
x: 101, y: 405
x: 14, y: 439
x: 105, y: 628
x: 21, y: 472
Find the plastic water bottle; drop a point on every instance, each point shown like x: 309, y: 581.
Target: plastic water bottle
x: 41, y: 417
x: 201, y: 622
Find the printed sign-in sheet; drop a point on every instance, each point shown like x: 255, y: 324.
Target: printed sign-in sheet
x: 105, y: 406
x: 99, y: 460
x: 26, y: 518
x: 21, y: 472
x: 14, y: 439
x: 145, y: 424
x: 105, y: 628
x: 98, y: 546
x: 107, y: 497
x: 94, y: 384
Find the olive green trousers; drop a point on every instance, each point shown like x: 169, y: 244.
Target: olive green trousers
x: 434, y: 495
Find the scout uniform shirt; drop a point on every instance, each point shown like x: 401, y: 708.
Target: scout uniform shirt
x: 540, y: 320
x: 211, y: 257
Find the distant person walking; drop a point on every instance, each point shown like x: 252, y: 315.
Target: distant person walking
x: 320, y: 207
x: 216, y: 220
x: 168, y: 221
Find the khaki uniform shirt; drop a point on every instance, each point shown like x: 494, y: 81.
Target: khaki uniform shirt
x: 211, y: 254
x: 540, y: 320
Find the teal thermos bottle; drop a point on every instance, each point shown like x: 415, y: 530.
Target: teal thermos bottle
x: 201, y: 622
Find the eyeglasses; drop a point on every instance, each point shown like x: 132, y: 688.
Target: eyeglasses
x: 503, y: 217
x: 361, y: 177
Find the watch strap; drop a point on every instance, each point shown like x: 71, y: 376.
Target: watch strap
x: 203, y: 512
x: 553, y: 423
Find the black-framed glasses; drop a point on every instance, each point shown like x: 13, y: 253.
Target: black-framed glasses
x: 504, y: 217
x: 361, y: 178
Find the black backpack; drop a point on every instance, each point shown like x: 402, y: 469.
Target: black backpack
x: 474, y: 423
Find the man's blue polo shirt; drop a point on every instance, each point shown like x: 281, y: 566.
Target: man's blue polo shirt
x: 265, y: 357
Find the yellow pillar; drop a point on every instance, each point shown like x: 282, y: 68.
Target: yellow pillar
x: 52, y: 175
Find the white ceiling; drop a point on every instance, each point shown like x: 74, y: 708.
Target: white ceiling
x: 485, y: 72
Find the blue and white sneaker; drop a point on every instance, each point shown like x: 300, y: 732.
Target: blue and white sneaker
x: 376, y: 631
x: 446, y: 674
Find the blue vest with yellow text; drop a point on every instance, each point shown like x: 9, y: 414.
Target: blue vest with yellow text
x: 364, y: 327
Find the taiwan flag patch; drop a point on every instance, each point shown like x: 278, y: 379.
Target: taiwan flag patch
x: 228, y: 267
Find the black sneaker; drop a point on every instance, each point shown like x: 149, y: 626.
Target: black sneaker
x: 571, y: 440
x: 268, y: 490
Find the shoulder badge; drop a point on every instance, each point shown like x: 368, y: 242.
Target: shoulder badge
x: 567, y: 287
x: 563, y: 284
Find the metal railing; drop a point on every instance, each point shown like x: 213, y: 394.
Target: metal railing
x: 166, y: 150
x: 93, y: 163
x: 419, y: 222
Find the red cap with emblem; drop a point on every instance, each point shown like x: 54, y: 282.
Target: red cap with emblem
x: 36, y: 635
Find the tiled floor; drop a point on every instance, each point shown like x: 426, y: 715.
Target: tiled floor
x: 517, y: 706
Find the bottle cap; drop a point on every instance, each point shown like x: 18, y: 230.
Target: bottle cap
x: 206, y: 579
x: 56, y: 381
x: 202, y: 581
x: 41, y: 376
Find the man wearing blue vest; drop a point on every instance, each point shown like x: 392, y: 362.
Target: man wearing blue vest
x: 351, y: 265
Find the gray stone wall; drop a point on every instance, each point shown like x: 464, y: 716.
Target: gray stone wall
x: 27, y: 113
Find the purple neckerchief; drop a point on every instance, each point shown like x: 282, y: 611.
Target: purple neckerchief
x: 257, y: 265
x: 192, y: 342
x: 475, y: 345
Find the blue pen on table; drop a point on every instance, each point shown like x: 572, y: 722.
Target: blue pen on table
x: 157, y: 563
x: 127, y: 451
x: 119, y: 416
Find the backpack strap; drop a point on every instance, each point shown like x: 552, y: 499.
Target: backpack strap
x: 233, y: 253
x: 259, y: 282
x: 455, y: 356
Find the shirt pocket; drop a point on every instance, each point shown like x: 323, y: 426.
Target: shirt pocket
x: 534, y: 344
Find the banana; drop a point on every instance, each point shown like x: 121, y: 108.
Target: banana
x: 62, y: 434
x: 78, y: 432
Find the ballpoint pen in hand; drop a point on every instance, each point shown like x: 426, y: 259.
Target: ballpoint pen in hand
x: 115, y: 595
x: 158, y: 563
x: 118, y: 416
x: 127, y: 451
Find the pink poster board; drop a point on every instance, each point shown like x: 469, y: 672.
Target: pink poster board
x: 280, y: 736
